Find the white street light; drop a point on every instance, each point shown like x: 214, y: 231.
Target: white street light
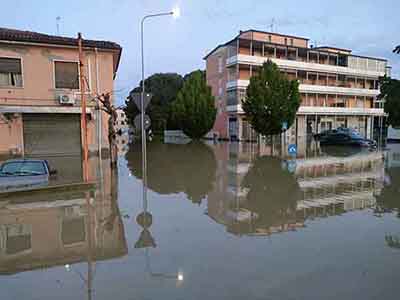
x: 176, y: 12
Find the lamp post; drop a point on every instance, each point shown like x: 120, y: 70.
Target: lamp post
x: 175, y: 13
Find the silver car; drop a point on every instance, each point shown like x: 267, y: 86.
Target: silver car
x: 23, y: 174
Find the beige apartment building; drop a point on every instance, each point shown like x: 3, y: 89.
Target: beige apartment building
x: 40, y: 92
x: 337, y: 87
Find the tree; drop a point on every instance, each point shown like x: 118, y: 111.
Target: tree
x: 164, y: 87
x: 194, y: 108
x: 390, y: 92
x: 271, y: 100
x: 111, y: 110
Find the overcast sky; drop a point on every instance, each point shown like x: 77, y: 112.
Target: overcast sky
x: 367, y: 27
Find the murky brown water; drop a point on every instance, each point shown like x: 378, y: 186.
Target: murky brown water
x: 222, y: 223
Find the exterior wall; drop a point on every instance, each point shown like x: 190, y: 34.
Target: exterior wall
x: 217, y: 81
x: 275, y: 38
x: 11, y: 135
x: 39, y: 90
x: 44, y: 217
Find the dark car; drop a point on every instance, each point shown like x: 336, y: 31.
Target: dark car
x: 22, y: 174
x: 346, y: 138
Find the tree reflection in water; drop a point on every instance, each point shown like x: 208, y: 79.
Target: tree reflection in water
x: 271, y: 194
x: 389, y: 199
x: 173, y: 168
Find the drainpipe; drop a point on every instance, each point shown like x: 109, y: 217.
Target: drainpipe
x: 99, y: 111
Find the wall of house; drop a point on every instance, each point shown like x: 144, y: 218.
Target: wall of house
x: 216, y: 77
x: 39, y: 87
x: 275, y: 38
x: 11, y: 135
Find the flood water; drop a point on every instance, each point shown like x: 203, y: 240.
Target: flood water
x: 221, y: 221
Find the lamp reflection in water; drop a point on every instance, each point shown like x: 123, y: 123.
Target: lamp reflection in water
x: 147, y: 241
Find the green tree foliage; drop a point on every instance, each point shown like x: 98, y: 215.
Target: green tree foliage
x: 194, y: 108
x: 271, y: 100
x: 390, y: 92
x: 164, y: 87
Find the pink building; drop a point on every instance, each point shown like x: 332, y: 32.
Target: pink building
x: 337, y: 87
x: 40, y: 92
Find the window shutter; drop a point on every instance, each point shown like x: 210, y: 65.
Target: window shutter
x: 10, y: 65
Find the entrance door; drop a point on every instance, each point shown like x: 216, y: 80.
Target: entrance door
x: 56, y: 138
x: 233, y: 128
x: 51, y: 134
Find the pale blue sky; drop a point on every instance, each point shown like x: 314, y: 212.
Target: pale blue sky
x: 367, y: 27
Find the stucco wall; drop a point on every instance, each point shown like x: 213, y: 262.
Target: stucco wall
x: 39, y: 87
x: 217, y: 80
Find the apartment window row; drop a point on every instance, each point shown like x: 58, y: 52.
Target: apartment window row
x: 290, y: 52
x: 314, y: 78
x: 66, y: 74
x: 325, y: 100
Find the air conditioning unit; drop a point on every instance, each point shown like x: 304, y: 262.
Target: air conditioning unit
x: 66, y: 99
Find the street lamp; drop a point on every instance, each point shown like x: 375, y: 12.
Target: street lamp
x: 175, y: 13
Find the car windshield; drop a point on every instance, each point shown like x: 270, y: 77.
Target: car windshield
x: 23, y: 168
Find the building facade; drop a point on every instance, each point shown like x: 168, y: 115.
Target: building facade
x: 40, y: 92
x: 337, y: 88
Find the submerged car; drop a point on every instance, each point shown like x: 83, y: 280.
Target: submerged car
x: 346, y: 137
x: 23, y: 174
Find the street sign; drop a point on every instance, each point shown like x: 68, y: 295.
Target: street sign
x: 292, y: 149
x: 137, y: 98
x: 138, y: 122
x: 284, y: 125
x: 291, y: 165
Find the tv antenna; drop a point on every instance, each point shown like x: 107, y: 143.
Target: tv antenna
x: 271, y: 26
x: 58, y: 24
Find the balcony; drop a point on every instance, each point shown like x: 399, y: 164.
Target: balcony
x: 301, y: 65
x: 311, y: 88
x: 321, y: 110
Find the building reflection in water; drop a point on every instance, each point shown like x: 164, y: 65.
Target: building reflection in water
x: 258, y: 193
x: 47, y: 229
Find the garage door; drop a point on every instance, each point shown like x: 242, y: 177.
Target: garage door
x: 52, y: 134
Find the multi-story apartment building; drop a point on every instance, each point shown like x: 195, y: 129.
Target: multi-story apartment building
x: 40, y: 92
x: 337, y: 87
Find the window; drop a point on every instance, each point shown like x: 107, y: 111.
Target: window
x: 66, y: 75
x: 10, y: 72
x: 285, y: 41
x: 23, y: 168
x: 291, y: 42
x: 269, y: 38
x: 18, y: 238
x: 73, y: 230
x: 220, y: 64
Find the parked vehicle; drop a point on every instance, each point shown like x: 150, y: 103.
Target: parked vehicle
x: 393, y: 134
x: 22, y: 174
x: 325, y: 133
x: 346, y: 138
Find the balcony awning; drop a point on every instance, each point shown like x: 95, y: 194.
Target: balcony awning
x: 42, y: 109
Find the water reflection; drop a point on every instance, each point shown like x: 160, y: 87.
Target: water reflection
x: 63, y: 227
x: 258, y: 195
x: 172, y: 168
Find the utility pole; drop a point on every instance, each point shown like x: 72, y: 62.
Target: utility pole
x: 83, y: 112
